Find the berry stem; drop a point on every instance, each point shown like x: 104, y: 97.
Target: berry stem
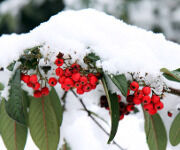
x: 95, y: 121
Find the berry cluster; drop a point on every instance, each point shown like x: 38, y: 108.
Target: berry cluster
x: 124, y: 109
x: 150, y: 104
x: 73, y: 76
x: 32, y: 82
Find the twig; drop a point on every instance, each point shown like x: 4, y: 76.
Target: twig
x: 95, y: 121
x: 174, y: 91
x: 64, y: 101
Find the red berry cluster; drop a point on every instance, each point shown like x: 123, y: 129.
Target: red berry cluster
x: 150, y: 104
x: 72, y: 76
x: 124, y: 109
x: 32, y: 82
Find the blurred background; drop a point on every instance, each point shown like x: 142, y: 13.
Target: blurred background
x: 160, y: 16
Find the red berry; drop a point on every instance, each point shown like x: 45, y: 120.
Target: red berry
x: 52, y: 81
x: 119, y: 98
x: 33, y: 78
x: 30, y: 84
x: 83, y: 80
x: 59, y: 71
x: 152, y: 111
x: 146, y: 99
x: 61, y: 79
x: 59, y: 62
x: 68, y: 82
x: 78, y: 85
x: 121, y: 117
x: 146, y: 90
x: 76, y: 76
x: 45, y: 91
x: 130, y: 108
x: 130, y: 99
x: 93, y: 80
x: 87, y: 88
x: 134, y: 86
x: 170, y: 114
x: 136, y: 100
x: 80, y: 91
x: 68, y: 72
x: 90, y: 75
x: 128, y: 92
x: 37, y: 94
x: 93, y: 86
x: 159, y: 105
x: 36, y: 86
x: 75, y: 67
x: 64, y: 87
x: 25, y: 78
x: 148, y: 107
x: 155, y: 99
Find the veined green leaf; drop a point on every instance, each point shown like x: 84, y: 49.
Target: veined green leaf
x: 174, y: 133
x: 171, y: 75
x: 13, y: 134
x: 114, y: 109
x: 43, y: 124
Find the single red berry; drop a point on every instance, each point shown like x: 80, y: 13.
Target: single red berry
x: 76, y: 76
x: 83, y: 80
x: 152, y: 111
x: 93, y: 80
x: 33, y: 78
x: 75, y: 67
x: 64, y: 87
x: 130, y: 108
x: 129, y: 99
x: 146, y: 99
x: 36, y: 86
x: 37, y: 94
x: 61, y: 79
x: 80, y: 91
x: 148, y: 107
x: 59, y: 62
x: 170, y: 114
x: 87, y: 88
x: 93, y: 86
x: 155, y: 99
x: 68, y: 72
x: 59, y: 71
x: 45, y: 91
x: 68, y: 82
x: 119, y: 98
x: 146, y: 90
x: 25, y: 78
x: 136, y: 100
x: 52, y: 81
x: 90, y: 75
x: 121, y: 117
x: 159, y: 105
x: 134, y: 86
x: 77, y: 85
x: 29, y: 84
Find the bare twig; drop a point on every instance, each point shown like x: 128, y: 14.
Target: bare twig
x: 95, y: 121
x: 173, y: 91
x: 63, y: 98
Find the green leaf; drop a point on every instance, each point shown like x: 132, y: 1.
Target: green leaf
x: 114, y: 109
x: 13, y: 134
x: 171, y: 75
x: 56, y: 104
x: 14, y: 105
x: 121, y: 82
x: 155, y: 132
x: 174, y: 134
x: 43, y: 124
x: 1, y: 86
x: 10, y: 67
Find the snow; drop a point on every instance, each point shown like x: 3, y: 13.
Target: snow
x: 122, y: 48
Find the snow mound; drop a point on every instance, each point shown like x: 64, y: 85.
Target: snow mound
x: 122, y: 47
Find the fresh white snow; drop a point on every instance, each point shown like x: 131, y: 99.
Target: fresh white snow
x: 122, y: 48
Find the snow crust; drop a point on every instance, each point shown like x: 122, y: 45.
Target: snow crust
x: 121, y: 47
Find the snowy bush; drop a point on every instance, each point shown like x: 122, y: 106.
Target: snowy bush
x: 78, y: 62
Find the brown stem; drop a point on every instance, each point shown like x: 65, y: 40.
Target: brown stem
x: 95, y: 121
x: 174, y: 91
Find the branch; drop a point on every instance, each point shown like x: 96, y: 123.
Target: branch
x: 174, y: 91
x: 95, y: 121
